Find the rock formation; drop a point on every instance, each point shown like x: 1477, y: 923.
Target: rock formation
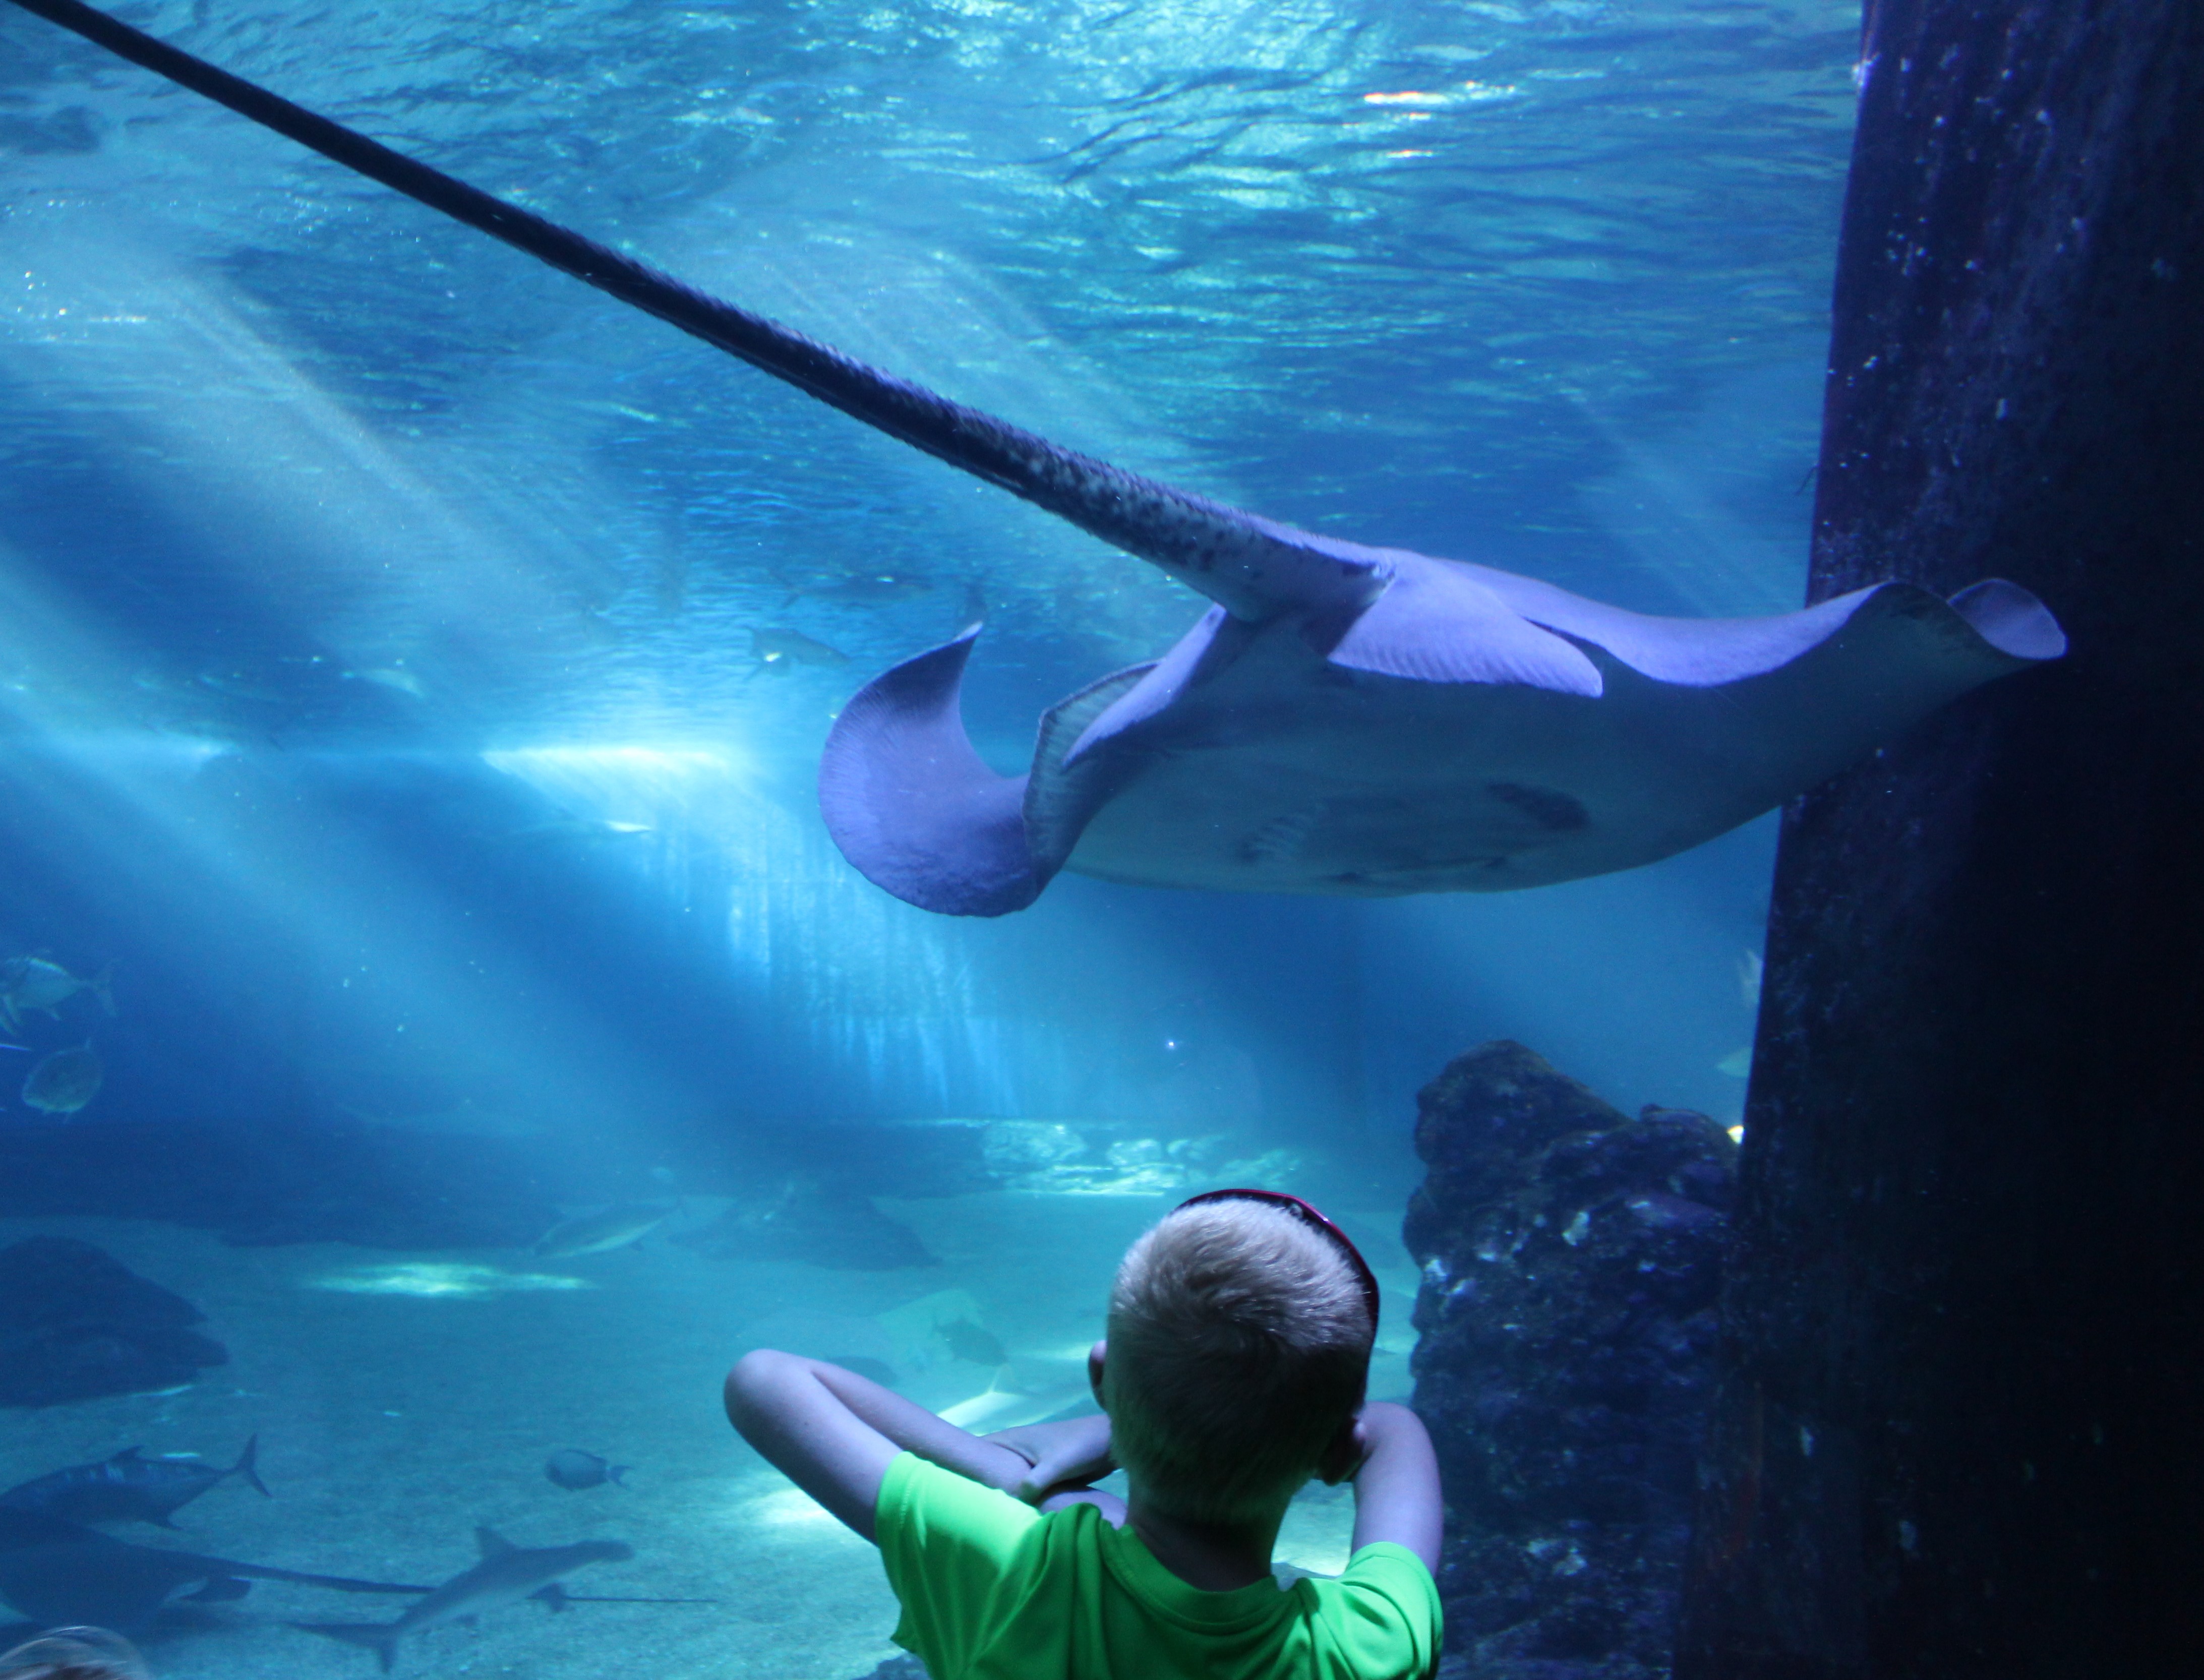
x: 75, y: 1323
x: 1571, y: 1260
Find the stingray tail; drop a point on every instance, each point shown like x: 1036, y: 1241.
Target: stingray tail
x: 380, y: 1637
x: 245, y: 1464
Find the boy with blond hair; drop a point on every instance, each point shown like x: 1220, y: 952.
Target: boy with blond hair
x: 1233, y: 1370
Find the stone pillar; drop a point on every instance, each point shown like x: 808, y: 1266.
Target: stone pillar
x: 1959, y: 1428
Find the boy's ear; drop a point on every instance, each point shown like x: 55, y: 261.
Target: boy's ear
x: 1095, y: 1356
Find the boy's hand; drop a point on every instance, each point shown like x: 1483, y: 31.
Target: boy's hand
x: 1343, y: 1455
x: 1067, y: 1454
x: 1396, y: 1481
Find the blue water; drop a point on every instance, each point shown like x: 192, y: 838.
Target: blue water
x: 376, y: 682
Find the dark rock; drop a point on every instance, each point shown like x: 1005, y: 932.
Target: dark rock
x: 818, y: 1224
x: 1571, y: 1260
x: 76, y: 1323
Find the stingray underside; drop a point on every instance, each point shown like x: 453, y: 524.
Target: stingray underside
x: 1248, y: 760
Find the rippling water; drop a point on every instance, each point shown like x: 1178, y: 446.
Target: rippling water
x: 413, y: 668
x: 1541, y: 284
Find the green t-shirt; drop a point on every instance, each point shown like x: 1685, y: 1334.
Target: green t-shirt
x: 992, y: 1589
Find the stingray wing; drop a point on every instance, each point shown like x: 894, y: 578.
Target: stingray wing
x: 920, y: 815
x: 913, y: 807
x: 1994, y: 615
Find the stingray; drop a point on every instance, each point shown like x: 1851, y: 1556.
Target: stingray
x: 1344, y: 720
x: 60, y: 1573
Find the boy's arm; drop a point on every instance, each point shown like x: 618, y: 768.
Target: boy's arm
x: 834, y: 1434
x: 1064, y: 1456
x: 1396, y: 1490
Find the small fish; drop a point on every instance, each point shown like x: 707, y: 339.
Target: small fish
x: 65, y: 1081
x: 865, y: 587
x: 244, y: 685
x: 1738, y: 1064
x: 781, y: 651
x: 392, y: 677
x: 1748, y: 970
x: 967, y: 1341
x: 581, y: 831
x: 575, y: 1469
x: 601, y: 1232
x: 29, y: 982
x: 129, y: 1487
x: 506, y: 1574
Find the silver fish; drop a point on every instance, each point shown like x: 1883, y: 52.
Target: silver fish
x: 781, y: 651
x: 62, y: 1083
x: 574, y: 1470
x: 574, y: 830
x: 129, y: 1487
x: 601, y: 1232
x: 28, y: 983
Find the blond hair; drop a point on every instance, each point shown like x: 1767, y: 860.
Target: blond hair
x: 1239, y: 1344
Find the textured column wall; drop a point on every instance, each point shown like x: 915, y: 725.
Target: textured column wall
x: 1960, y: 1419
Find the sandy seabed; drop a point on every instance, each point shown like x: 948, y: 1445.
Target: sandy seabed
x: 402, y: 1400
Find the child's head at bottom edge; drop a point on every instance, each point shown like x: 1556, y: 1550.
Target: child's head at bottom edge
x: 1237, y: 1354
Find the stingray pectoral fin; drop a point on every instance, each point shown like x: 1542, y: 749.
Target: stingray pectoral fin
x: 1435, y: 623
x: 2004, y: 619
x: 1071, y: 780
x: 2011, y: 619
x: 1902, y: 654
x: 1161, y: 683
x: 1911, y: 643
x: 913, y: 807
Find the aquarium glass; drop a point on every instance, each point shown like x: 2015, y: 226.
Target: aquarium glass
x: 414, y: 670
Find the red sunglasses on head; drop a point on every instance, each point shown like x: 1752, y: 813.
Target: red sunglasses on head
x: 1316, y: 1221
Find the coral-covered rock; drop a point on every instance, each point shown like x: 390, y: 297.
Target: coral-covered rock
x: 75, y: 1322
x: 1571, y: 1260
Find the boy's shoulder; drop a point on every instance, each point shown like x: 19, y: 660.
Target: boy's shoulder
x: 977, y: 1571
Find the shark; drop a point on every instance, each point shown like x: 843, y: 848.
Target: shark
x: 59, y: 1573
x: 1345, y: 718
x: 503, y: 1574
